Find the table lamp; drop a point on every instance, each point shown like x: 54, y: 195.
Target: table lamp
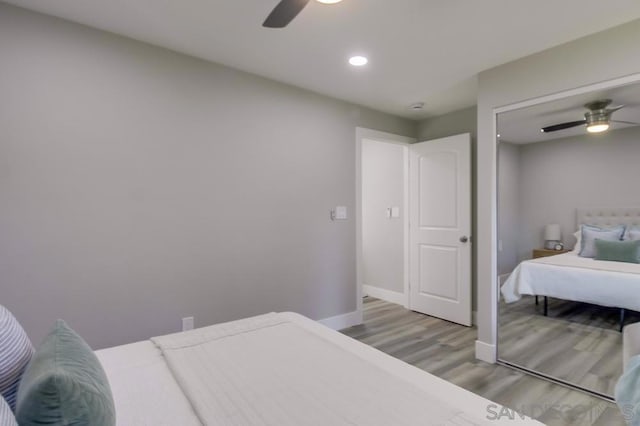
x: 552, y: 236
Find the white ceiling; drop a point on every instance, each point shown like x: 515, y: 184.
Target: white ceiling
x: 523, y: 126
x: 419, y: 50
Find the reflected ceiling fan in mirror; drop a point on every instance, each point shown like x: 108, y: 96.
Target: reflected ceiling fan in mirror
x: 597, y: 119
x: 286, y: 10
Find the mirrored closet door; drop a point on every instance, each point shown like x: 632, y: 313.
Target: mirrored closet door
x: 568, y: 201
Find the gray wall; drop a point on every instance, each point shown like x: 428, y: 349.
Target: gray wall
x: 383, y: 181
x: 140, y: 186
x: 582, y: 62
x: 558, y: 176
x: 509, y: 210
x: 455, y: 123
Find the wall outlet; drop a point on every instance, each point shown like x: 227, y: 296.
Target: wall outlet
x: 187, y: 323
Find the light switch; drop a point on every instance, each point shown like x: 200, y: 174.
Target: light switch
x: 395, y: 212
x: 339, y: 213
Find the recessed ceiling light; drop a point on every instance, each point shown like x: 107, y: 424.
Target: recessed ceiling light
x: 418, y: 106
x: 358, y: 61
x: 329, y: 1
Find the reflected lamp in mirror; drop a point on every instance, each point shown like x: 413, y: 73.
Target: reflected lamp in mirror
x: 552, y: 236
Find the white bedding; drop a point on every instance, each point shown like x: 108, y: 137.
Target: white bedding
x: 282, y: 369
x: 571, y: 277
x: 144, y: 390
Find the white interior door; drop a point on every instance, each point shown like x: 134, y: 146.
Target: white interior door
x: 439, y: 228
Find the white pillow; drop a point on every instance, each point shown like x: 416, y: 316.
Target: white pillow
x: 632, y: 233
x: 15, y: 353
x: 591, y: 233
x: 578, y: 235
x: 6, y: 415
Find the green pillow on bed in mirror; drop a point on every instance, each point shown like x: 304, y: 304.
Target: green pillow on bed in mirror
x: 618, y: 251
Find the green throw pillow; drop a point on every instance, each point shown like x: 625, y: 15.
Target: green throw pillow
x: 64, y: 384
x: 618, y: 251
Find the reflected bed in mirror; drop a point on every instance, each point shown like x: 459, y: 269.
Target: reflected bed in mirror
x: 576, y: 338
x: 542, y: 177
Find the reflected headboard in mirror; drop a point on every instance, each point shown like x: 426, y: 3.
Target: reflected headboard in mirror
x: 608, y: 216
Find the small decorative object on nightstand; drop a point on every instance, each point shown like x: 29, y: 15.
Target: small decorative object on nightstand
x: 547, y: 252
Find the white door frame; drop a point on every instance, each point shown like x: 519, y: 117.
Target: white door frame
x: 364, y: 133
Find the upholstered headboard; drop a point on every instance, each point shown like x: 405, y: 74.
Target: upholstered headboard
x: 607, y: 216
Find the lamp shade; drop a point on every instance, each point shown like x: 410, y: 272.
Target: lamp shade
x: 552, y: 232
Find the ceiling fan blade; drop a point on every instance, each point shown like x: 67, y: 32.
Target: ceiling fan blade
x: 625, y: 122
x: 563, y: 126
x: 284, y: 13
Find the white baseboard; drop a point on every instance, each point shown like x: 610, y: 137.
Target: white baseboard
x: 386, y: 295
x: 486, y: 352
x: 399, y: 298
x: 340, y: 322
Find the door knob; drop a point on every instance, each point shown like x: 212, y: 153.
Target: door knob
x: 464, y: 239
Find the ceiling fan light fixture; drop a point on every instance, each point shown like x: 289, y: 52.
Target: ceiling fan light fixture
x: 598, y: 120
x: 598, y: 127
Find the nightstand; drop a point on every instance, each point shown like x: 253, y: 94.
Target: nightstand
x: 546, y: 252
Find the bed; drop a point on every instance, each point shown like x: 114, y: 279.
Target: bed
x: 281, y: 369
x: 571, y: 277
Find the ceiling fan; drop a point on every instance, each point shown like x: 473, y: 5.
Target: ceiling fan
x: 597, y: 119
x: 286, y: 10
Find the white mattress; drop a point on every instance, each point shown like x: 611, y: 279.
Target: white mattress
x: 146, y: 391
x: 474, y: 405
x: 571, y: 277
